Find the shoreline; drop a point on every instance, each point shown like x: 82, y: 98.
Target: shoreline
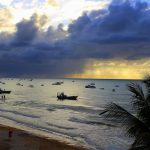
x: 27, y: 141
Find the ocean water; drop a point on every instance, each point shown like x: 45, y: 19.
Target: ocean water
x: 37, y: 110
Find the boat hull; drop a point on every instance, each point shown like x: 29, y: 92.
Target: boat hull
x: 5, y: 92
x: 67, y: 97
x: 91, y: 86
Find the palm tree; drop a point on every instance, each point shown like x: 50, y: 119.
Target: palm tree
x: 137, y: 126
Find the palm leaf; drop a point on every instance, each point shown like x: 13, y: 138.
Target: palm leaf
x: 137, y: 126
x: 146, y: 82
x: 117, y: 114
x: 140, y: 103
x: 143, y: 140
x: 138, y: 148
x: 137, y: 91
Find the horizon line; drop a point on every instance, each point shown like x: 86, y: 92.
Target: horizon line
x: 68, y: 78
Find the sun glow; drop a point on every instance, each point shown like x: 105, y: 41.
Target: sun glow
x: 114, y: 69
x: 58, y: 11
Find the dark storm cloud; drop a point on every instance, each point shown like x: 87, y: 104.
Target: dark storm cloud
x: 53, y: 68
x: 122, y: 22
x: 122, y: 27
x: 121, y: 31
x: 31, y: 52
x: 26, y: 32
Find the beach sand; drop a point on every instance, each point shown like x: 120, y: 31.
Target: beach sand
x: 22, y: 140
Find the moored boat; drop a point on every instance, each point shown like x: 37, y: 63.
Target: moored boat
x: 90, y: 86
x: 31, y: 86
x: 4, y: 92
x: 113, y: 90
x: 57, y: 83
x: 62, y: 96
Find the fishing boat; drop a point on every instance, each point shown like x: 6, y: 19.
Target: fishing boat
x: 57, y: 83
x: 92, y: 83
x: 90, y: 86
x: 62, y: 96
x: 4, y: 92
x: 113, y: 90
x: 31, y: 86
x: 116, y: 85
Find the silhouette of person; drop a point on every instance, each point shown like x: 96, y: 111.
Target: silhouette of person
x: 4, y: 98
x: 10, y: 132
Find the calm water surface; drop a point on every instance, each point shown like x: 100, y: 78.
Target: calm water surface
x: 37, y: 110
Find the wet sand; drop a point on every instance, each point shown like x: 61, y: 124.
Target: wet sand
x: 22, y: 140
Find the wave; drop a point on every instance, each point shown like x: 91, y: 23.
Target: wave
x: 83, y: 109
x: 61, y: 127
x: 73, y: 119
x: 59, y: 134
x: 53, y: 107
x: 19, y: 113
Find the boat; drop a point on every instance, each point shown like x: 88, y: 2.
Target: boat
x: 113, y: 90
x: 4, y: 92
x: 116, y: 85
x: 90, y: 86
x: 19, y: 84
x: 92, y: 83
x: 57, y: 83
x: 31, y: 86
x: 2, y: 82
x: 62, y: 96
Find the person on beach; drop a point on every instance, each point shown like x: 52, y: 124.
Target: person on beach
x: 10, y: 132
x: 4, y: 98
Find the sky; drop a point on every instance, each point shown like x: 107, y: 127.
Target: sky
x: 102, y: 39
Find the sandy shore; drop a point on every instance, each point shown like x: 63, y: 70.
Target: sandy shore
x: 22, y: 140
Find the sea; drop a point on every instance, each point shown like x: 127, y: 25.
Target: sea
x: 33, y: 106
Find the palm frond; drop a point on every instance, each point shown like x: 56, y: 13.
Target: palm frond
x: 143, y: 140
x: 117, y: 114
x: 137, y: 93
x: 146, y: 81
x: 140, y: 103
x: 138, y: 148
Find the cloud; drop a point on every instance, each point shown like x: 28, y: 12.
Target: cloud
x: 39, y: 20
x: 53, y: 3
x: 57, y: 11
x: 27, y: 67
x: 6, y: 20
x: 121, y: 28
x: 31, y: 51
x: 6, y: 2
x: 121, y: 31
x: 25, y: 34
